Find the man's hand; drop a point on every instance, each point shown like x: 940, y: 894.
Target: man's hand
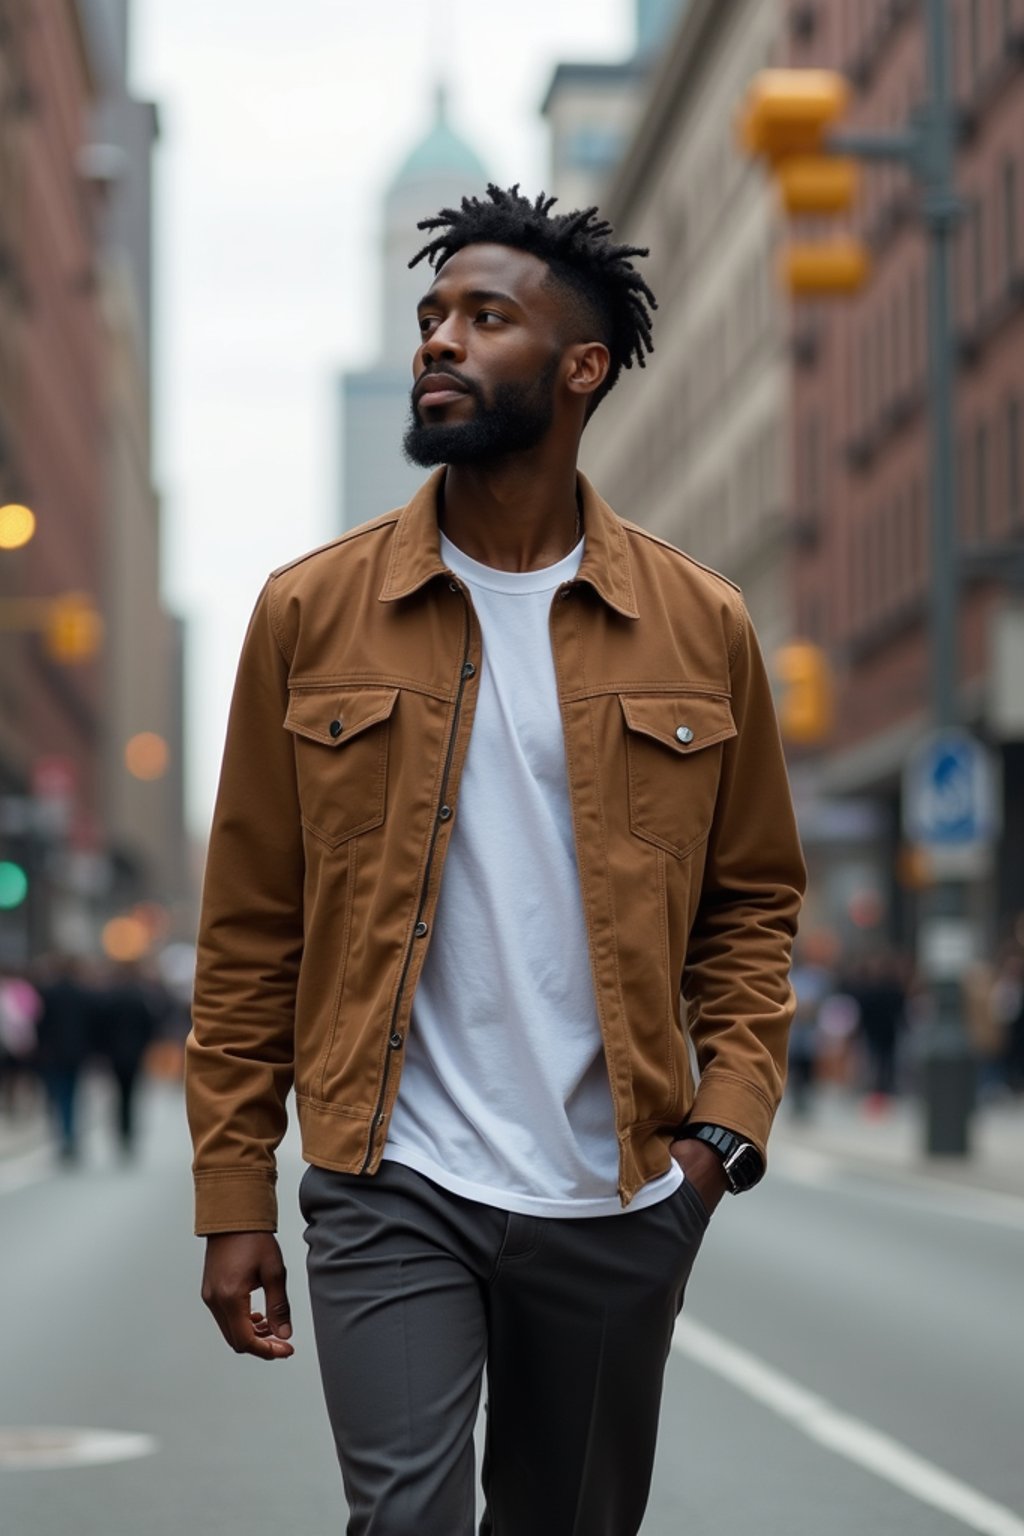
x: 703, y: 1167
x: 238, y: 1263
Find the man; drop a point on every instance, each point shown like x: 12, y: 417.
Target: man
x: 503, y: 825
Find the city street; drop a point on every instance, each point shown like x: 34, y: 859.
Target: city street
x: 851, y: 1359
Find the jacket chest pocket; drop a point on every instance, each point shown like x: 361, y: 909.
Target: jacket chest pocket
x: 341, y: 758
x: 674, y: 757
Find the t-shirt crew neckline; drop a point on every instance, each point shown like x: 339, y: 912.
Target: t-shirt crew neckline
x: 546, y: 579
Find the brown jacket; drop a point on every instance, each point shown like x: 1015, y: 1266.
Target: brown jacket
x: 352, y: 711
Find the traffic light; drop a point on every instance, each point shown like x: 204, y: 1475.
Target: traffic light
x: 13, y: 885
x: 805, y: 692
x: 74, y: 628
x: 789, y: 111
x: 836, y: 266
x: 784, y: 121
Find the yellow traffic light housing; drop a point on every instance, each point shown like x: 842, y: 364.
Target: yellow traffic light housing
x: 788, y: 111
x: 785, y: 120
x: 817, y: 183
x: 806, y: 703
x: 823, y: 267
x: 74, y: 628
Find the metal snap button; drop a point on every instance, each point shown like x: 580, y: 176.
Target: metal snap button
x: 420, y: 929
x: 453, y: 586
x: 395, y: 1040
x: 335, y: 728
x: 444, y: 814
x: 684, y: 734
x: 468, y: 669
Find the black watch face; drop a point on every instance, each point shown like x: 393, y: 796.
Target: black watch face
x: 745, y: 1170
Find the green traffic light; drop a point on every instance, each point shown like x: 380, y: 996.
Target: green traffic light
x: 13, y: 886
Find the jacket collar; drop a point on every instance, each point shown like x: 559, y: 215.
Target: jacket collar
x: 416, y: 549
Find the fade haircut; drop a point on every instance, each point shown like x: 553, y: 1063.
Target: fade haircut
x: 608, y: 300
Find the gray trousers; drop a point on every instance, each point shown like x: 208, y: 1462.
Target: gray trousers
x: 415, y: 1290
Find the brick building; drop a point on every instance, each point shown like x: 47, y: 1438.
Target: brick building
x: 56, y: 427
x: 94, y: 836
x: 861, y: 528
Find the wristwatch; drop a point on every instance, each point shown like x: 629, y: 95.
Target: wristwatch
x: 741, y: 1160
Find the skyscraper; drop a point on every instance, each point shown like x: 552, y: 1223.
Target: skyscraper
x: 374, y: 402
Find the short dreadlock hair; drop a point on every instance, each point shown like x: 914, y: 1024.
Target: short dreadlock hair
x: 610, y: 302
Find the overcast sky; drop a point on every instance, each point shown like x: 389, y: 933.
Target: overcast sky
x: 281, y: 124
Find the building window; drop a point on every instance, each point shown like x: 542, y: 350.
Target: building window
x: 897, y: 341
x: 975, y: 41
x: 1010, y: 218
x: 981, y: 481
x: 919, y: 536
x: 978, y: 255
x: 1014, y: 500
x: 594, y: 147
x: 916, y: 305
x: 865, y: 377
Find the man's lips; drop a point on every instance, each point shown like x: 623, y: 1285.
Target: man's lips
x: 438, y: 389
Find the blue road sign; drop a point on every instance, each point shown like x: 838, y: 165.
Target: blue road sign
x: 950, y: 792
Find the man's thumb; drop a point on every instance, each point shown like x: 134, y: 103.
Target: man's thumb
x: 279, y: 1314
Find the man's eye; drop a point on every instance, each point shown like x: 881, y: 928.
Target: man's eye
x: 425, y: 322
x: 490, y: 314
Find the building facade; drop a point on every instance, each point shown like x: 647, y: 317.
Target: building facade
x: 591, y: 108
x: 695, y: 447
x: 860, y: 451
x: 92, y: 836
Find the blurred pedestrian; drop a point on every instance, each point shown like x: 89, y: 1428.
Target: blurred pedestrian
x: 125, y: 1021
x: 510, y: 1161
x: 64, y: 1040
x: 992, y: 995
x: 813, y: 982
x: 20, y: 1008
x: 880, y: 991
x: 1010, y: 1001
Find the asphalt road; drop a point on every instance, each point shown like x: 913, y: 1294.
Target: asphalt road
x: 851, y: 1359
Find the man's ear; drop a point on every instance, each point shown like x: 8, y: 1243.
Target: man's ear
x: 587, y: 364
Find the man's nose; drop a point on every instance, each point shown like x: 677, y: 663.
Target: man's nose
x: 444, y: 344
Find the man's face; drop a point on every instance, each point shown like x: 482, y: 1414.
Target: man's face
x: 486, y: 366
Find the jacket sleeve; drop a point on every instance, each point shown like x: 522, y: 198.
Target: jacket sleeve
x: 239, y: 1057
x: 736, y: 983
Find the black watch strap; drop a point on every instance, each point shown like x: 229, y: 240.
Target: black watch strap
x: 741, y: 1160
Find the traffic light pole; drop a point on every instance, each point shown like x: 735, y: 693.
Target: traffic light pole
x: 928, y: 149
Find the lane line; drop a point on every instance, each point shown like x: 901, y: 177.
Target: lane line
x: 847, y: 1436
x: 823, y: 1170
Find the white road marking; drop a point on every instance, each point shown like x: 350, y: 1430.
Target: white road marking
x: 822, y: 1170
x: 847, y: 1436
x: 30, y: 1449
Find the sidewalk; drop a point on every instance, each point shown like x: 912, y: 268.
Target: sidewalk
x: 839, y: 1127
x: 25, y: 1132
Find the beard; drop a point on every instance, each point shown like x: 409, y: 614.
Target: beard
x: 517, y: 418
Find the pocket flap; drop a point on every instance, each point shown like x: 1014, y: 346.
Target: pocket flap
x: 334, y: 715
x: 682, y: 722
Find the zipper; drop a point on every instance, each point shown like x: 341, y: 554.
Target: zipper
x: 466, y: 671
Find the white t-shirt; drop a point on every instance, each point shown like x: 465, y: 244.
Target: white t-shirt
x: 504, y: 1095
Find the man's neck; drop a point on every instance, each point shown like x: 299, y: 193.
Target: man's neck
x: 514, y: 517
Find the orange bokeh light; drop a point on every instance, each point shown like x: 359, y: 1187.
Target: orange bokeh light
x: 146, y: 756
x: 125, y: 938
x: 17, y: 525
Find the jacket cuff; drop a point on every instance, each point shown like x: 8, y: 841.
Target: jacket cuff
x: 230, y: 1200
x: 732, y: 1102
